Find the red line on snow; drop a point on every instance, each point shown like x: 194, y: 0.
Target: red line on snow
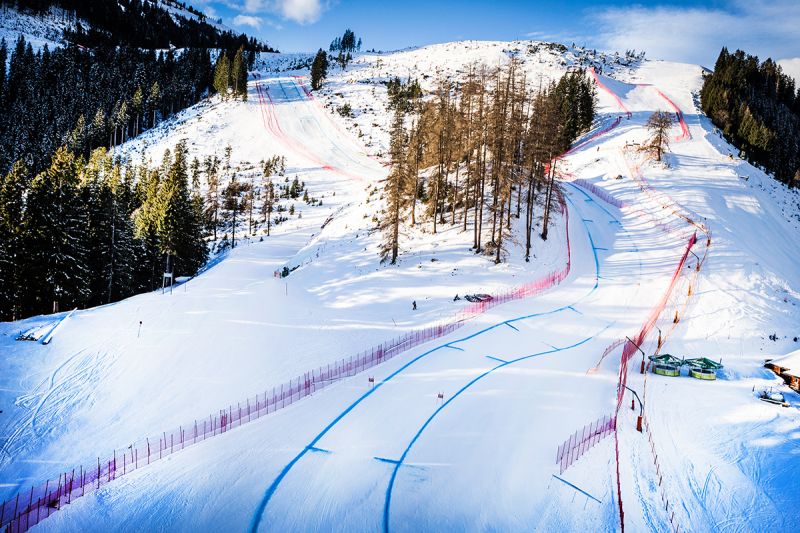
x: 28, y: 509
x: 684, y: 128
x: 266, y: 102
x: 602, y: 86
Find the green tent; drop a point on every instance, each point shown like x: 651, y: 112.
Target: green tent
x: 666, y: 360
x: 704, y: 363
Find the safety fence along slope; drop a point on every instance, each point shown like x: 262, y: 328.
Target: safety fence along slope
x: 30, y: 507
x: 582, y: 440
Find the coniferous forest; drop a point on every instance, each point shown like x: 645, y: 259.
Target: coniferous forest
x: 89, y: 231
x: 79, y: 227
x: 757, y: 108
x: 141, y: 24
x: 89, y: 98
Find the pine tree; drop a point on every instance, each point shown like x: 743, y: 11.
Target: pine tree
x: 12, y: 211
x: 319, y: 69
x: 234, y: 204
x: 212, y: 203
x: 222, y: 76
x: 177, y: 221
x: 395, y: 187
x: 109, y: 231
x: 269, y: 203
x: 154, y: 101
x: 97, y: 130
x: 55, y: 229
x: 136, y: 107
x: 239, y: 75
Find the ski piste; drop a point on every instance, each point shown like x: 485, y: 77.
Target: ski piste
x: 515, y: 381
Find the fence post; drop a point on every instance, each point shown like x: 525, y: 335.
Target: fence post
x: 30, y: 499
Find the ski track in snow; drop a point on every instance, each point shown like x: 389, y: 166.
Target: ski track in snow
x: 389, y: 458
x: 312, y: 446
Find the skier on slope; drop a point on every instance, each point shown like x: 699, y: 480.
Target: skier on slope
x: 414, y: 305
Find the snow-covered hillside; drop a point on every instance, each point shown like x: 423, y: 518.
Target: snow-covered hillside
x: 40, y: 30
x: 362, y: 84
x: 460, y: 433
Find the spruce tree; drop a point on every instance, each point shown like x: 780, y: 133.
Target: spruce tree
x: 178, y: 223
x: 222, y: 76
x: 239, y: 75
x: 319, y: 69
x: 12, y: 211
x: 55, y: 228
x: 154, y: 101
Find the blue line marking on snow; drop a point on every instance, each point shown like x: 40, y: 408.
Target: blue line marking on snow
x: 577, y: 488
x: 496, y: 359
x: 511, y: 326
x: 603, y: 249
x: 588, y: 220
x: 454, y: 347
x: 597, y: 275
x: 318, y: 450
x: 388, y: 499
x: 385, y: 460
x: 270, y: 491
x: 262, y: 505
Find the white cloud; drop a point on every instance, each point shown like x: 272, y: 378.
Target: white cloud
x: 300, y: 11
x: 247, y: 20
x: 761, y: 27
x: 791, y: 67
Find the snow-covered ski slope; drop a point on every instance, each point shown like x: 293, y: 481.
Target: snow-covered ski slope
x: 514, y: 383
x: 234, y: 331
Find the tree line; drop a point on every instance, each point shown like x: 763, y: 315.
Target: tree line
x: 89, y: 231
x: 230, y: 76
x: 480, y: 154
x: 140, y: 24
x: 757, y: 108
x: 88, y: 99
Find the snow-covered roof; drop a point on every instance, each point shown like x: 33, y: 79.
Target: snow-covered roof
x: 790, y: 361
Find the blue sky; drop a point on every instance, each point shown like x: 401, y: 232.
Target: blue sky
x: 682, y: 30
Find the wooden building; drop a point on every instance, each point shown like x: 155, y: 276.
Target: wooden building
x: 787, y: 367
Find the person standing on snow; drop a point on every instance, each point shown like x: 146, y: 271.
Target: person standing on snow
x: 414, y: 305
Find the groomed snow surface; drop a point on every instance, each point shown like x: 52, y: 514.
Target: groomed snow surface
x: 514, y: 382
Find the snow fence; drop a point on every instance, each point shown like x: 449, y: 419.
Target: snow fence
x: 31, y: 507
x: 582, y: 440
